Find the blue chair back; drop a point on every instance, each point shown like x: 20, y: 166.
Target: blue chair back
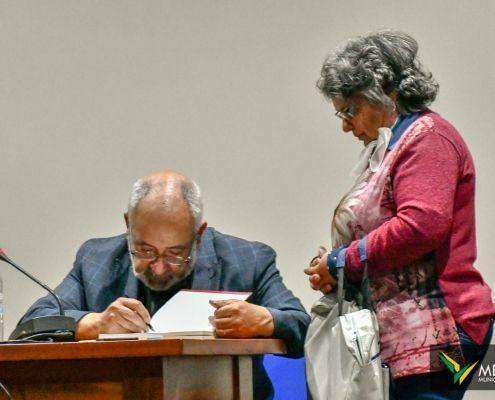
x: 288, y: 376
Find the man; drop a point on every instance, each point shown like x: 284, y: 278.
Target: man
x: 117, y: 283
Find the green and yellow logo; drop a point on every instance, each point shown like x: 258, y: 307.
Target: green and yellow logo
x: 460, y: 374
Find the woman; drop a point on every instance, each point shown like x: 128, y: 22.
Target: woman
x: 409, y: 215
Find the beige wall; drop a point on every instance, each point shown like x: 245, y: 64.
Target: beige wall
x: 96, y: 93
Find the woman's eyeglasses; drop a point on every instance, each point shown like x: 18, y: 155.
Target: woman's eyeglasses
x: 347, y: 113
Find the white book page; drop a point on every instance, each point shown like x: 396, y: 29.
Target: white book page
x: 188, y: 311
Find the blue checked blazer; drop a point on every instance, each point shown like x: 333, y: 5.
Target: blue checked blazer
x: 102, y: 272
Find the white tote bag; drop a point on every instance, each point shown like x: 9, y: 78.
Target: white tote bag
x: 342, y: 351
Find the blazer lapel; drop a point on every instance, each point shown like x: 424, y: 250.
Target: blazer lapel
x: 114, y: 276
x: 128, y: 283
x: 131, y: 286
x: 207, y: 271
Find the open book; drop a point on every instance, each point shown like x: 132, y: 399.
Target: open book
x: 185, y: 314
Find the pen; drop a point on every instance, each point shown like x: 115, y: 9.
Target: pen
x: 147, y: 324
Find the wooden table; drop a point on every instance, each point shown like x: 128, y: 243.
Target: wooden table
x: 174, y: 368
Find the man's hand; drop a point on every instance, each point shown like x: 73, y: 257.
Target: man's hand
x: 319, y: 276
x: 124, y: 315
x: 240, y: 319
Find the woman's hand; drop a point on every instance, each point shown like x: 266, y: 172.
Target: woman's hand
x: 319, y: 276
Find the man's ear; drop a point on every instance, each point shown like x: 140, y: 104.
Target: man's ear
x: 126, y: 218
x: 200, y: 232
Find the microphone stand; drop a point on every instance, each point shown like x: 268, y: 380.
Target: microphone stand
x: 50, y: 327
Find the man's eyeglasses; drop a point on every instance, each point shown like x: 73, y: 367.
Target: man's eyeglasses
x: 151, y: 256
x: 347, y: 113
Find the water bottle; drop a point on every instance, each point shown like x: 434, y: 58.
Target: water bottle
x: 1, y: 309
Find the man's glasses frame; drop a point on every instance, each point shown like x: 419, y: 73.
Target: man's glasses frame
x: 151, y: 255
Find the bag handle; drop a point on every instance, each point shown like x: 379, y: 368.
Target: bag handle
x: 365, y: 287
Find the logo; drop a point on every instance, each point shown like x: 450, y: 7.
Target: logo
x: 460, y: 374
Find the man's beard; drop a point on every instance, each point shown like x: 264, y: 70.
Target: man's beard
x: 167, y: 279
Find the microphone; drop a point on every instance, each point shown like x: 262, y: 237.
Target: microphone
x: 50, y: 327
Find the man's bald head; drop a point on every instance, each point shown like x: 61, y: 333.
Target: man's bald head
x: 166, y: 192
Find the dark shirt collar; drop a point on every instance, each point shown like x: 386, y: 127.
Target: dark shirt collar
x: 153, y: 300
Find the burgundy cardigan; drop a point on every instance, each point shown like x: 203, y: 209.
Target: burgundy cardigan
x: 433, y: 184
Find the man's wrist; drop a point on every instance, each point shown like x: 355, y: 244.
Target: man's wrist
x: 266, y: 327
x: 88, y: 327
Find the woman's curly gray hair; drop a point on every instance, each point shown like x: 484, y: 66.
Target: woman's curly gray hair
x: 375, y: 65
